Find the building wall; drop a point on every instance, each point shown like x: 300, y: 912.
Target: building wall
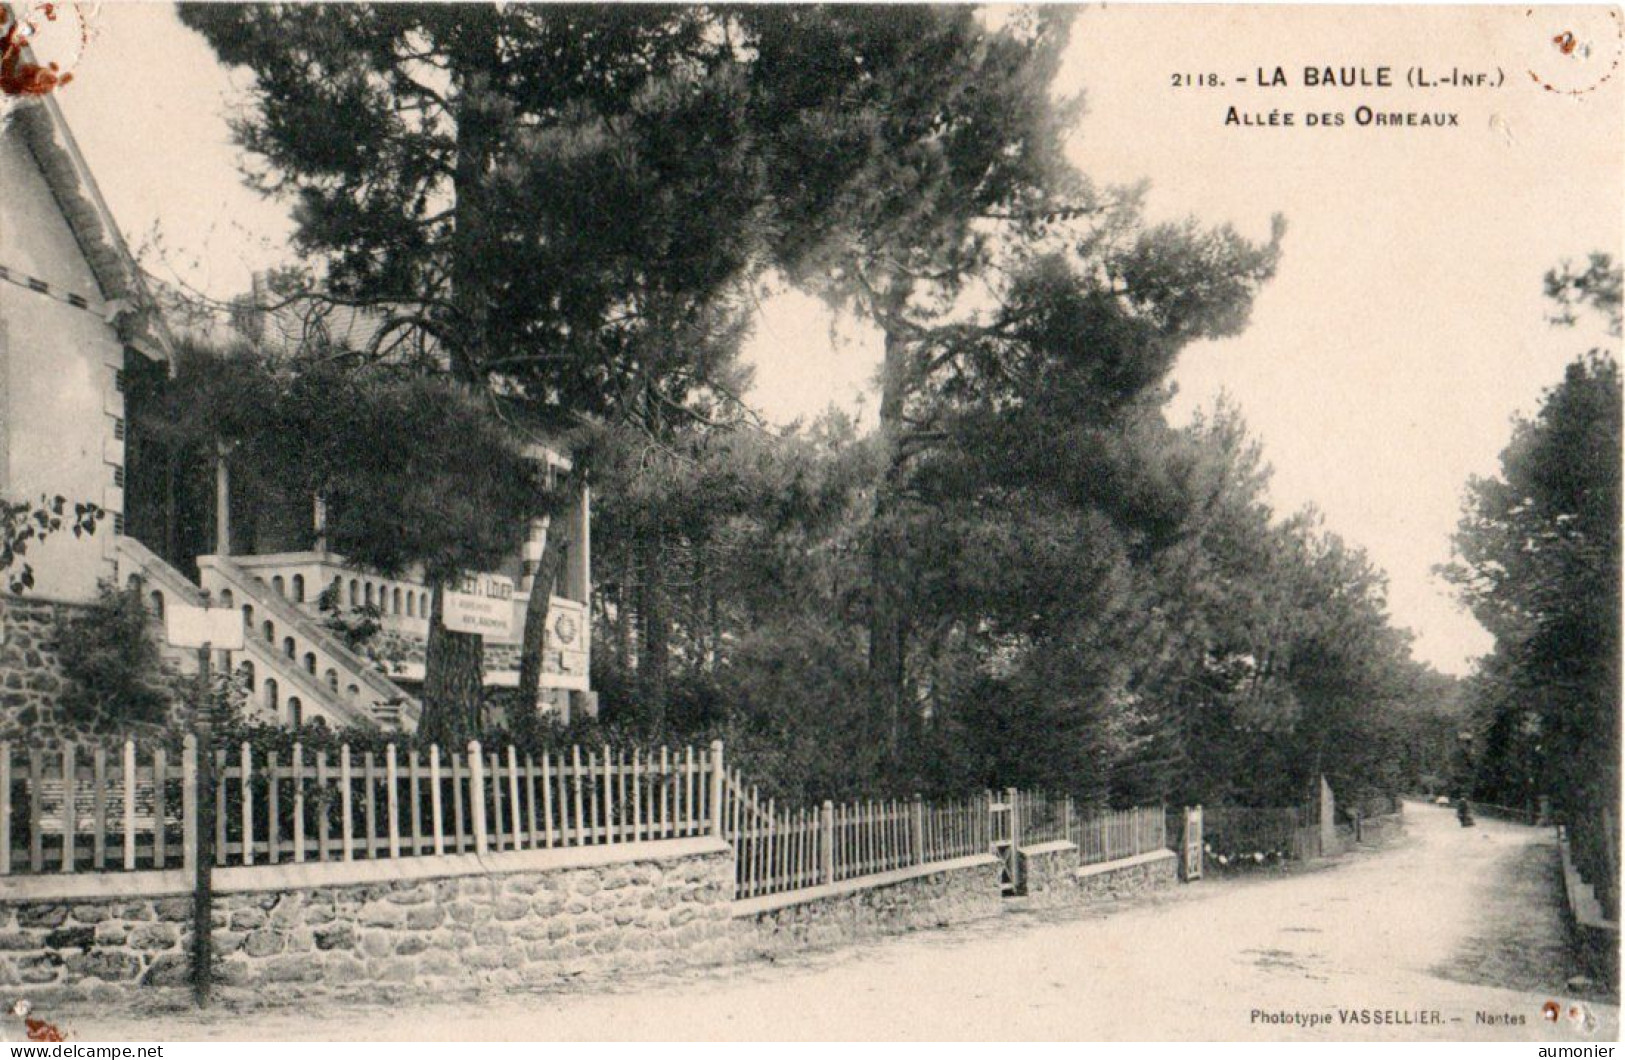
x: 58, y: 398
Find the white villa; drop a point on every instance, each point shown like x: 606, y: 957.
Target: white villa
x: 83, y: 341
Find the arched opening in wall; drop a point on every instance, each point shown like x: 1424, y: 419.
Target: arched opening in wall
x: 296, y: 712
x: 248, y: 617
x: 396, y: 602
x: 289, y: 648
x: 332, y: 679
x: 369, y: 594
x: 355, y: 593
x: 247, y: 672
x: 157, y: 599
x: 353, y: 691
x: 298, y: 588
x: 411, y: 605
x: 310, y: 662
x: 423, y: 604
x: 269, y: 629
x: 273, y: 706
x: 278, y: 585
x: 227, y: 598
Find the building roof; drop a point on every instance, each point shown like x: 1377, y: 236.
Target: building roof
x: 132, y: 309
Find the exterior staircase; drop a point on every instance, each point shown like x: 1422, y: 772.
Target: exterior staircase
x: 297, y: 670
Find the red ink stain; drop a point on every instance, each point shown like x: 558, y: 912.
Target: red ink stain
x: 41, y: 1031
x: 19, y: 78
x: 1566, y: 42
x: 1550, y: 1011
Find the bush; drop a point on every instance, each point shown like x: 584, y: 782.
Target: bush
x: 115, y: 675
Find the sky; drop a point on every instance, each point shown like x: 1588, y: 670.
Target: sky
x: 1382, y: 366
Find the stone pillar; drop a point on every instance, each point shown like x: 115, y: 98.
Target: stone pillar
x: 1328, y: 818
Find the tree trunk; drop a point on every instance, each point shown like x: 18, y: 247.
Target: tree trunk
x: 454, y: 663
x: 454, y: 676
x: 887, y: 628
x: 534, y: 639
x: 654, y: 641
x: 623, y: 611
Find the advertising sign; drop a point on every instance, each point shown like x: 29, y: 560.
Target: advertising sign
x: 483, y: 604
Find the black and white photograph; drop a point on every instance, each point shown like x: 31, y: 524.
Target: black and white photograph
x: 532, y: 522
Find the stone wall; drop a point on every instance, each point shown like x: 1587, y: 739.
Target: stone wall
x: 1149, y: 872
x: 955, y: 892
x: 1381, y: 830
x: 1046, y: 872
x: 660, y: 904
x: 30, y: 674
x: 99, y: 948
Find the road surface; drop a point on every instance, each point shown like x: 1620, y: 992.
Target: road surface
x: 1447, y: 923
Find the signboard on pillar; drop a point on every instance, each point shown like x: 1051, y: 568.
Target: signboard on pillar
x: 220, y: 628
x: 483, y: 604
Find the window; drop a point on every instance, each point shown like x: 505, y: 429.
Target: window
x: 118, y: 476
x: 270, y: 632
x: 396, y: 604
x: 118, y: 523
x: 272, y: 705
x: 298, y: 588
x: 310, y: 662
x: 247, y: 670
x: 289, y: 648
x: 411, y: 605
x: 118, y: 429
x: 277, y: 584
x: 296, y: 712
x: 355, y: 593
x: 157, y: 603
x: 227, y: 599
x: 332, y: 679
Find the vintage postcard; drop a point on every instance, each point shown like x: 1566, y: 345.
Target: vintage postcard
x: 536, y: 522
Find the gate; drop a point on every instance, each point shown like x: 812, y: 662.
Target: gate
x: 1006, y: 835
x: 1191, y: 846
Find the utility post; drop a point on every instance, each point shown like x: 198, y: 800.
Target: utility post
x: 203, y: 843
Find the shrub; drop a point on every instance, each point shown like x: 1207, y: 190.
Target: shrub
x: 114, y: 671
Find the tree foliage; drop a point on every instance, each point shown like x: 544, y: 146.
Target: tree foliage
x: 1538, y: 562
x: 1027, y: 576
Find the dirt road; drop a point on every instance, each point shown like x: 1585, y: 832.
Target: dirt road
x: 1447, y: 924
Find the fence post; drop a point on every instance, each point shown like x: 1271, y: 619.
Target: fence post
x: 476, y: 794
x: 917, y: 821
x: 716, y: 788
x: 1013, y: 799
x: 189, y: 829
x: 70, y: 803
x: 826, y: 846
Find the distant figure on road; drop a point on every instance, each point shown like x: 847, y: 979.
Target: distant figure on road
x: 1464, y: 811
